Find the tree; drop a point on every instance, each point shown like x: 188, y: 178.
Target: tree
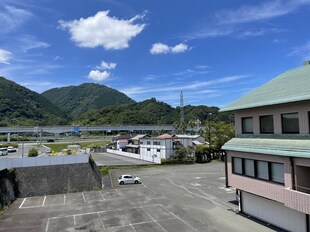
x: 220, y: 133
x: 200, y: 153
x: 181, y: 153
x: 33, y: 152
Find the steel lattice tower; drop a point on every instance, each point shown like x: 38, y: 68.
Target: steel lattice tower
x: 181, y: 107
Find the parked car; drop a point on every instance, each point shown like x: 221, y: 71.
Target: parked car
x: 3, y: 151
x: 50, y: 140
x: 129, y: 179
x: 11, y: 149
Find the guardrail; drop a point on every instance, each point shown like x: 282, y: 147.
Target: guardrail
x: 42, y: 161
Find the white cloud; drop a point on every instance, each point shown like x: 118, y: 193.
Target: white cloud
x: 29, y: 42
x: 179, y: 48
x: 267, y: 10
x: 12, y: 17
x: 194, y: 86
x: 96, y: 75
x: 5, y: 56
x: 160, y: 48
x: 102, y: 30
x: 104, y: 65
x: 302, y: 51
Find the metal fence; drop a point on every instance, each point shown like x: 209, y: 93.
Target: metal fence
x: 42, y: 161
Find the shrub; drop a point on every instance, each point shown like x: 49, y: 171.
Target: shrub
x: 33, y: 152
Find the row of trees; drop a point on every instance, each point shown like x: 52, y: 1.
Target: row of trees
x: 216, y: 134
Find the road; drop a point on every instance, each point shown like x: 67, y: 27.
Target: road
x: 21, y: 151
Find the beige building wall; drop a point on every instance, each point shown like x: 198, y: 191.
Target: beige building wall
x: 276, y: 110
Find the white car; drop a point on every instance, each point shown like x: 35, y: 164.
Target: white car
x: 12, y: 149
x: 3, y: 151
x: 129, y: 179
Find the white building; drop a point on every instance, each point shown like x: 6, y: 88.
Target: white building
x: 190, y: 140
x: 157, y: 147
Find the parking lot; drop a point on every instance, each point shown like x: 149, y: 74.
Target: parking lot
x: 174, y: 198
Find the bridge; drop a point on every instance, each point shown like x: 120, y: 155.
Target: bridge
x: 76, y: 128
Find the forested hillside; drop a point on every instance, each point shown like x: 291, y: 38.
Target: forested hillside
x: 76, y: 100
x: 21, y: 106
x: 149, y: 112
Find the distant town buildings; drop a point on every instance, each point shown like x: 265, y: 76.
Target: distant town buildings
x: 268, y: 162
x: 154, y: 148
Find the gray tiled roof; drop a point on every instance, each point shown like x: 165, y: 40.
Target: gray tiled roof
x: 291, y: 86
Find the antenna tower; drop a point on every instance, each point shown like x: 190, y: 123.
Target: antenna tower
x: 181, y: 107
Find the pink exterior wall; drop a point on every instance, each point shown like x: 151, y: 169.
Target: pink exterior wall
x: 259, y: 187
x: 284, y: 194
x: 297, y: 200
x: 276, y: 110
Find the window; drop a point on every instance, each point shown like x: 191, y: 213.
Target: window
x: 148, y: 142
x: 158, y: 150
x: 148, y: 149
x: 141, y: 142
x: 277, y: 173
x: 247, y: 125
x: 237, y: 165
x: 290, y: 123
x: 249, y: 167
x: 266, y: 124
x: 262, y: 170
x: 156, y: 143
x: 257, y: 169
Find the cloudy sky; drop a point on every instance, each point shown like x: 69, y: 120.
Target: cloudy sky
x: 213, y: 51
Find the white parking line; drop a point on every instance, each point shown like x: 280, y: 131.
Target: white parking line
x: 102, y: 195
x: 44, y: 201
x: 64, y: 199
x: 21, y: 205
x: 46, y: 228
x: 179, y: 218
x: 74, y: 221
x: 149, y: 189
x: 84, y: 197
x: 154, y: 220
x: 104, y: 211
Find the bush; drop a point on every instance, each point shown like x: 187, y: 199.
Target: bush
x: 33, y: 152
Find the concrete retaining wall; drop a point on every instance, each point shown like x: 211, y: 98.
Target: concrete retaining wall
x: 58, y: 179
x: 7, y: 187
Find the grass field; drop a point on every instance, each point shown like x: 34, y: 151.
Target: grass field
x: 57, y: 147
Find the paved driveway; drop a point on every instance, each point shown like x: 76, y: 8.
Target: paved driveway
x: 108, y: 159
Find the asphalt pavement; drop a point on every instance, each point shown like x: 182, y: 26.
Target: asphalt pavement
x: 182, y: 198
x: 109, y: 159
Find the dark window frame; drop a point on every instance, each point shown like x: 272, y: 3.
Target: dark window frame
x: 242, y: 125
x: 260, y: 124
x: 269, y: 163
x: 282, y: 123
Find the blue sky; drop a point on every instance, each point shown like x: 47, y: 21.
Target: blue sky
x: 213, y: 51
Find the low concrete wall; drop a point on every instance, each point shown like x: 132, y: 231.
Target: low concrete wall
x: 7, y: 187
x: 135, y: 156
x: 58, y: 179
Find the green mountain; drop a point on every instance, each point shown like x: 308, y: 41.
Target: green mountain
x: 149, y: 112
x: 76, y: 100
x: 22, y: 106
